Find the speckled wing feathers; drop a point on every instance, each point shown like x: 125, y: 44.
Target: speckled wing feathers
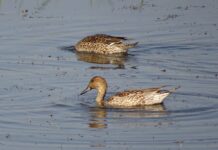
x: 140, y: 97
x: 102, y: 38
x: 139, y: 91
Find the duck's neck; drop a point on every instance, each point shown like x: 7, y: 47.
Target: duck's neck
x: 100, y: 97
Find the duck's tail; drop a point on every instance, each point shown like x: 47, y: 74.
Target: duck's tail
x: 174, y: 89
x: 166, y: 90
x: 131, y: 45
x: 164, y: 93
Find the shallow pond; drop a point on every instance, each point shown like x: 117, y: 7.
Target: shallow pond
x: 41, y: 78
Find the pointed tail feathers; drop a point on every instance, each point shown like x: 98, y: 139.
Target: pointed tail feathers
x: 131, y: 45
x: 170, y: 90
x: 174, y: 89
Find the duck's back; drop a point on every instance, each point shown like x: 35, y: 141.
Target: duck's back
x: 103, y: 44
x: 141, y: 97
x: 102, y: 38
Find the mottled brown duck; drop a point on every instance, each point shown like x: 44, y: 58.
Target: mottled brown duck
x: 104, y: 44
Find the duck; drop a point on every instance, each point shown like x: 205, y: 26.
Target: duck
x: 127, y: 98
x: 104, y: 44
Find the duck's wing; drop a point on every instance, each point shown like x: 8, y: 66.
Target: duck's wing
x: 138, y: 91
x: 110, y: 37
x: 131, y: 97
x: 103, y: 38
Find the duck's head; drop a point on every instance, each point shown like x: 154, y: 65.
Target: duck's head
x: 98, y: 83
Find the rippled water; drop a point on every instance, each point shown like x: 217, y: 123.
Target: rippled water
x: 41, y: 77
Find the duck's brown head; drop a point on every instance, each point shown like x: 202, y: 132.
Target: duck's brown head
x: 98, y: 83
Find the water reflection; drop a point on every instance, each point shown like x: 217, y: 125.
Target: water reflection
x: 99, y: 116
x: 153, y: 111
x: 115, y: 59
x: 118, y: 60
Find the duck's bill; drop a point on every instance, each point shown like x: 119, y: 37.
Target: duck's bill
x: 85, y: 91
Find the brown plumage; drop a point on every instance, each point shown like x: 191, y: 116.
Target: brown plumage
x: 104, y: 44
x: 129, y: 98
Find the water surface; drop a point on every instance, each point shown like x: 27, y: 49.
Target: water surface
x: 40, y: 80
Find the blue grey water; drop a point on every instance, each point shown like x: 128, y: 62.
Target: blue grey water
x: 40, y: 80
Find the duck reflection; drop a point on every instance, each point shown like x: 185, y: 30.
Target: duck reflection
x: 115, y: 59
x: 150, y: 111
x: 98, y: 116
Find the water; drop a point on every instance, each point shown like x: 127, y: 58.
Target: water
x: 41, y: 78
